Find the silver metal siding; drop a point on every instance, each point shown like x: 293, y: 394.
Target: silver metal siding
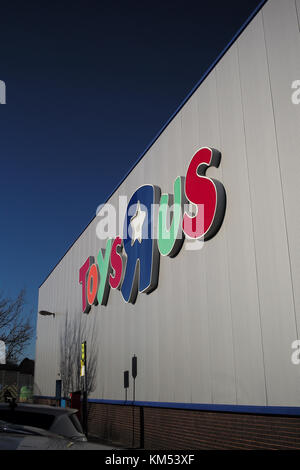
x: 219, y: 327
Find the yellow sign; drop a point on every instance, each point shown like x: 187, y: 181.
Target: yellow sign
x: 9, y: 391
x: 82, y: 360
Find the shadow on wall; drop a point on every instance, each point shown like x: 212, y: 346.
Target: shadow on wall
x: 75, y: 332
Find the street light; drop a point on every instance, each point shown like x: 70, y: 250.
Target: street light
x: 46, y: 314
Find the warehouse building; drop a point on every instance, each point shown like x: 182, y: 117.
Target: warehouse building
x: 209, y: 301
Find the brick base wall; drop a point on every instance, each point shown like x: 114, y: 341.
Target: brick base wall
x: 166, y: 428
x: 117, y: 424
x: 44, y: 401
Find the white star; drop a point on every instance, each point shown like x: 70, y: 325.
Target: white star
x: 136, y: 223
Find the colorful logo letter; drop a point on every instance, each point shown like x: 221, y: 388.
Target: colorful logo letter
x: 83, y: 275
x: 140, y: 246
x: 103, y: 259
x: 116, y: 262
x: 170, y: 240
x: 206, y: 192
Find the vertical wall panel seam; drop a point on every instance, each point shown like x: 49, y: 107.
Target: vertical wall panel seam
x: 207, y: 315
x: 186, y: 330
x: 297, y: 13
x: 280, y: 175
x: 227, y: 248
x: 253, y: 236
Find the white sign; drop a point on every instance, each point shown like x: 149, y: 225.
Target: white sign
x: 2, y: 92
x: 2, y: 353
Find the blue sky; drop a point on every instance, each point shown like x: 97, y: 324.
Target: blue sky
x: 89, y: 85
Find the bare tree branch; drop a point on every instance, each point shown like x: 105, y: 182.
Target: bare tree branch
x: 72, y: 335
x: 15, y: 327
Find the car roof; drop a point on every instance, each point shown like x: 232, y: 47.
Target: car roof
x: 46, y: 409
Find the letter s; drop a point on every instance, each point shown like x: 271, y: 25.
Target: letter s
x: 207, y: 194
x: 116, y: 263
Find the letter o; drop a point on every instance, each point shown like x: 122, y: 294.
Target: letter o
x: 92, y: 284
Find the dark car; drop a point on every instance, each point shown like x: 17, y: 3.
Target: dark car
x: 57, y: 420
x: 19, y: 437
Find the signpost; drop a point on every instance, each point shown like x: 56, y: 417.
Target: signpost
x: 126, y: 382
x: 134, y: 374
x: 58, y: 387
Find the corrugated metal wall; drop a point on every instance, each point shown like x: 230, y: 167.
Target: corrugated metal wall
x: 219, y: 327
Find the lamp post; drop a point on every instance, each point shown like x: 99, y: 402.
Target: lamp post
x: 45, y: 313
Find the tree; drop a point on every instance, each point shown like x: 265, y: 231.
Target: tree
x: 72, y: 335
x: 16, y: 330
